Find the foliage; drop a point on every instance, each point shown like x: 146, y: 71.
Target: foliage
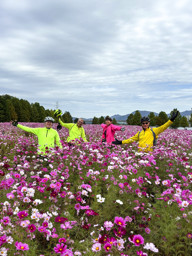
x: 94, y: 199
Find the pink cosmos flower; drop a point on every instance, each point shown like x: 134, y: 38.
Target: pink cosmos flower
x: 21, y: 246
x: 120, y: 221
x: 108, y: 225
x: 96, y: 247
x: 22, y: 214
x: 60, y: 219
x: 31, y: 228
x: 60, y: 248
x: 62, y: 240
x: 67, y: 252
x: 5, y: 221
x: 138, y: 240
x: 41, y: 229
x: 107, y: 247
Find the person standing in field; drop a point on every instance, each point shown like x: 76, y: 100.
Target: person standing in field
x: 47, y: 136
x: 76, y: 131
x: 147, y: 137
x: 109, y: 130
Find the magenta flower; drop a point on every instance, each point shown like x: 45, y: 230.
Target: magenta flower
x: 22, y: 214
x: 60, y: 219
x: 31, y: 228
x: 62, y: 240
x: 5, y: 221
x: 120, y: 221
x: 41, y: 229
x: 21, y: 246
x: 138, y: 240
x: 107, y: 247
x: 60, y: 248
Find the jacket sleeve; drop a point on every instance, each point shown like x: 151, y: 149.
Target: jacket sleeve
x: 162, y: 128
x: 83, y: 135
x: 28, y: 129
x: 132, y: 139
x: 66, y: 125
x: 116, y: 128
x: 57, y: 140
x: 103, y: 125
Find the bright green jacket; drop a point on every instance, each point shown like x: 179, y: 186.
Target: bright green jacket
x: 46, y: 137
x: 145, y: 137
x: 75, y: 132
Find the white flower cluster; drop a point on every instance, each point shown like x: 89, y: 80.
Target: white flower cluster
x: 100, y: 199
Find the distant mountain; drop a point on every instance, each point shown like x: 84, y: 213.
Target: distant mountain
x: 124, y: 117
x: 143, y: 113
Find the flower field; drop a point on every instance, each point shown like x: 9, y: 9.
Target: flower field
x: 93, y: 199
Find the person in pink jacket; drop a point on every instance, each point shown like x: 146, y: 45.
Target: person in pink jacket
x: 109, y: 130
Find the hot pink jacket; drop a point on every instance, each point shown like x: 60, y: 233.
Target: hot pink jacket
x: 110, y: 132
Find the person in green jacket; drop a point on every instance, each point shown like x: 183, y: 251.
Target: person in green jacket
x: 76, y: 131
x: 47, y: 136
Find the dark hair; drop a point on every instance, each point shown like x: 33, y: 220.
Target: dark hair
x: 108, y: 118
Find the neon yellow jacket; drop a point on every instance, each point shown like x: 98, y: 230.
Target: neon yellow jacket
x: 46, y: 137
x: 75, y: 132
x: 145, y: 137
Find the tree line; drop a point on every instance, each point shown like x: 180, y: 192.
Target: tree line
x: 160, y: 119
x: 12, y: 108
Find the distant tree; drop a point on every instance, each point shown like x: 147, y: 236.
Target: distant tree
x: 67, y: 118
x: 49, y: 112
x: 184, y: 122
x: 2, y: 110
x: 130, y: 119
x: 114, y: 121
x: 95, y: 120
x: 12, y: 115
x: 152, y: 118
x: 190, y: 120
x: 137, y: 118
x: 101, y: 119
x: 34, y: 113
x: 25, y: 111
x: 176, y: 123
x: 161, y: 118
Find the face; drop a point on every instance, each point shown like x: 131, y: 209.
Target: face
x: 80, y: 122
x: 145, y: 125
x: 48, y: 124
x: 108, y: 122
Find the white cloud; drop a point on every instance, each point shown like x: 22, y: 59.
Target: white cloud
x: 98, y: 57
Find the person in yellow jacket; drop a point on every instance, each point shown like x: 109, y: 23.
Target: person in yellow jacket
x: 147, y: 137
x: 47, y: 136
x: 76, y: 131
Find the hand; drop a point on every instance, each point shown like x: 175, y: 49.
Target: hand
x: 174, y: 115
x: 15, y: 123
x: 123, y: 129
x: 57, y: 113
x: 59, y: 127
x: 117, y: 142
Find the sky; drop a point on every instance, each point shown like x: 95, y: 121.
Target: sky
x: 97, y: 57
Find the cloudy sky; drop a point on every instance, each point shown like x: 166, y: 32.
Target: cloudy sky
x: 98, y: 57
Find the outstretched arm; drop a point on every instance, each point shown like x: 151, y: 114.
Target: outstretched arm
x: 25, y: 128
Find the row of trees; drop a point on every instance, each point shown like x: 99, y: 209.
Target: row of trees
x: 12, y: 108
x: 181, y: 121
x: 100, y: 120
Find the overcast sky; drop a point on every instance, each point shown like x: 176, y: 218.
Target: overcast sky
x: 98, y: 57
